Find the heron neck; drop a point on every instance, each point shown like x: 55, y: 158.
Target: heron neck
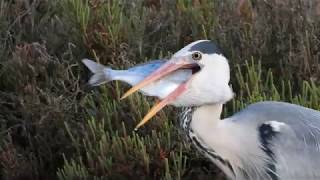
x: 203, y: 124
x: 206, y: 116
x: 198, y: 117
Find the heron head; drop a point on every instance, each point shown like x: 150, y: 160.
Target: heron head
x: 207, y: 85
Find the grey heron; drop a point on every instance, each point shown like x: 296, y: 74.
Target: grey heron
x: 266, y: 140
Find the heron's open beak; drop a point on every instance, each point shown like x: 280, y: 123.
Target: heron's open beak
x: 169, y: 67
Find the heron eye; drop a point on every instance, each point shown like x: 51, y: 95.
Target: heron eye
x: 196, y: 56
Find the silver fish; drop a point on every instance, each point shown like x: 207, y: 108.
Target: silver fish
x: 160, y: 88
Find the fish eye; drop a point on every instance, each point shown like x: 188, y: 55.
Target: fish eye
x: 196, y: 56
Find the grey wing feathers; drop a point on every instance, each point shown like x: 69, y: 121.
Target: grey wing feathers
x: 305, y: 122
x: 295, y: 159
x: 297, y: 145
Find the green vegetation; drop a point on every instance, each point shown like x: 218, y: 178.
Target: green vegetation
x: 53, y: 126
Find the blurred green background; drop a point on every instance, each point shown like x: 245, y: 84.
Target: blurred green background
x: 54, y: 126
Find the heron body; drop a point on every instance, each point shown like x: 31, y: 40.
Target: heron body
x: 265, y: 141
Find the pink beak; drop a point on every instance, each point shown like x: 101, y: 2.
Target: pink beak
x: 169, y: 67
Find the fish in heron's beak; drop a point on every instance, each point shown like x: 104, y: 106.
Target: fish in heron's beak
x: 172, y: 65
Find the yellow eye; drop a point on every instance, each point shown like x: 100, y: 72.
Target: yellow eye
x: 196, y: 56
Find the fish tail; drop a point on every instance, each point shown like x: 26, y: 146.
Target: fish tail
x: 101, y: 74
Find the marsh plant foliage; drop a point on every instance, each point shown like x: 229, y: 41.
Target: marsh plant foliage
x: 54, y: 126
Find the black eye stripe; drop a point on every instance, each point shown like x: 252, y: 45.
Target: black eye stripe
x: 206, y: 47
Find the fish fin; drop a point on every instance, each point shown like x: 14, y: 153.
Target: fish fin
x: 93, y: 66
x: 98, y: 79
x: 101, y: 74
